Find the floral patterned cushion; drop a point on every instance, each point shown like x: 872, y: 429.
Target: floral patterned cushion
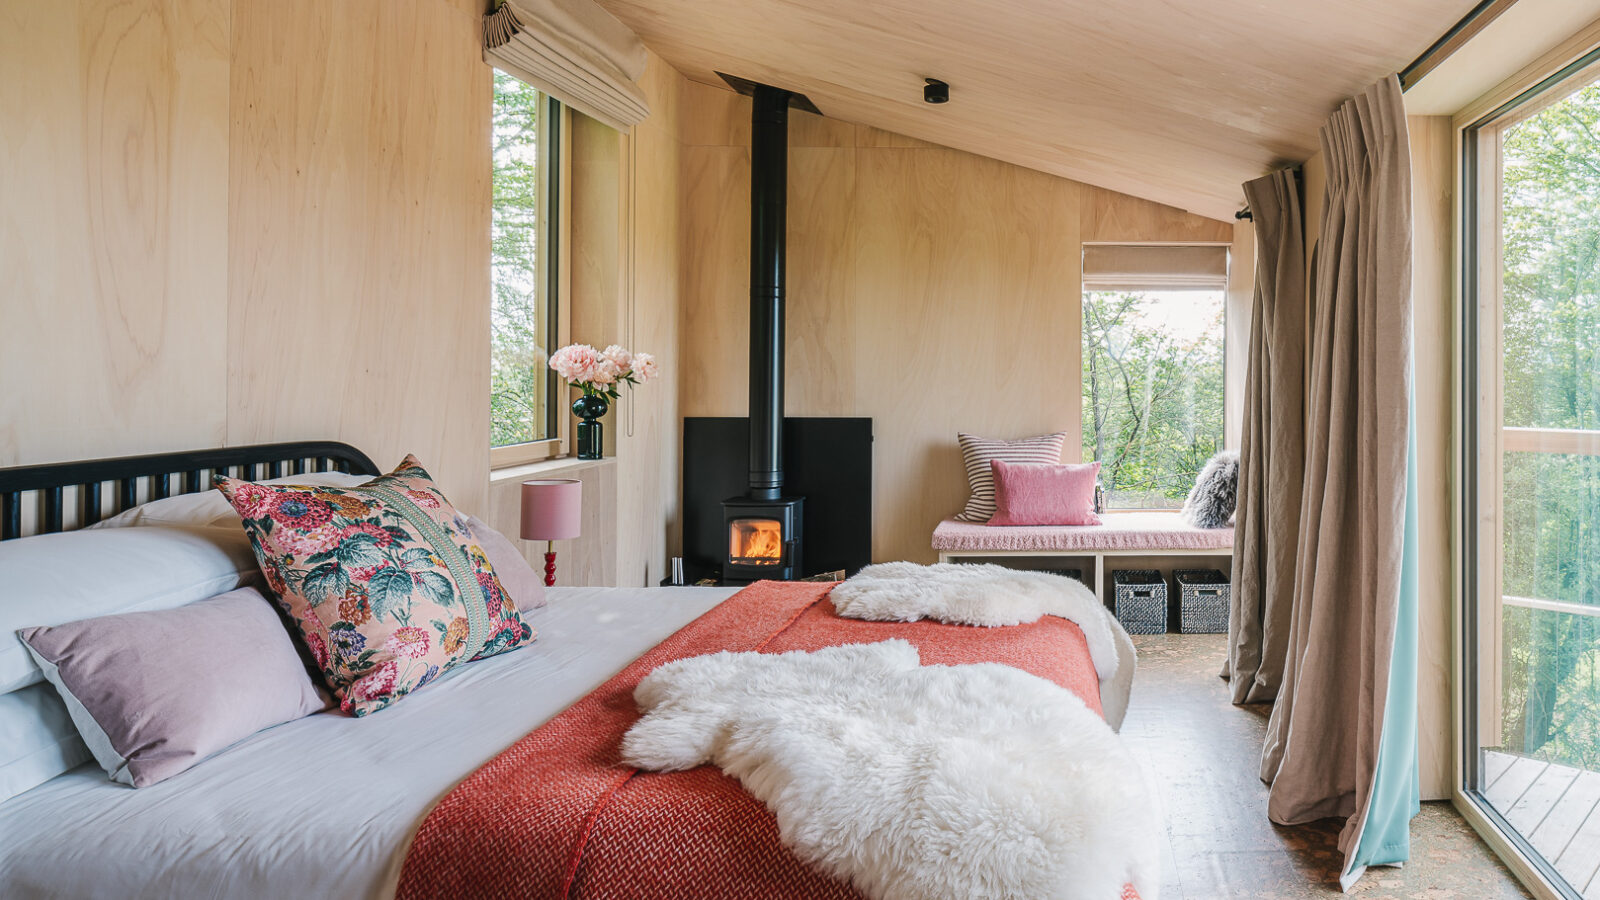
x: 383, y: 580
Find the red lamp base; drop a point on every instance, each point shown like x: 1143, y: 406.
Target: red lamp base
x: 550, y: 569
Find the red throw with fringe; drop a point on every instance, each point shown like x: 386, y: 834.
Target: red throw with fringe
x: 557, y: 815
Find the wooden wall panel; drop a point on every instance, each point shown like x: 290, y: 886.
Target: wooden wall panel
x: 647, y: 421
x: 966, y: 311
x: 358, y: 245
x: 715, y: 278
x: 1112, y: 217
x: 930, y: 289
x: 113, y: 228
x: 1432, y: 181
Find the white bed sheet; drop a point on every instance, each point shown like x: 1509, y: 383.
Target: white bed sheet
x: 326, y: 806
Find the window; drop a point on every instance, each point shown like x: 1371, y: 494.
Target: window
x: 523, y: 393
x: 1531, y: 511
x: 1153, y: 368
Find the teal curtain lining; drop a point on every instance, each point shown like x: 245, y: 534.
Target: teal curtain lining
x: 1397, y: 791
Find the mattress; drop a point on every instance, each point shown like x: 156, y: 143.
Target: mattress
x: 326, y: 806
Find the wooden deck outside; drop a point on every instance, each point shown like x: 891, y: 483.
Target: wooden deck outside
x: 1556, y: 807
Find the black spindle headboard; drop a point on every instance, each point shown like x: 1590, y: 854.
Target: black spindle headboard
x: 132, y: 480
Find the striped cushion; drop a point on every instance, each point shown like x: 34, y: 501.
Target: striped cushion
x: 978, y: 452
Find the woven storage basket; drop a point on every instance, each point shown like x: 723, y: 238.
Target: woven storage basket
x: 1203, y: 600
x: 1141, y: 600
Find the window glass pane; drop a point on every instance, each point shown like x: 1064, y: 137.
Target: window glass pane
x: 521, y: 322
x: 1550, y: 225
x: 1152, y: 391
x: 1536, y: 674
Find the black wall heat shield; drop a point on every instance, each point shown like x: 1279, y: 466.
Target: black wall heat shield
x: 828, y: 461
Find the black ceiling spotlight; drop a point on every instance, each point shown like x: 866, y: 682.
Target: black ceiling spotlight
x: 936, y: 91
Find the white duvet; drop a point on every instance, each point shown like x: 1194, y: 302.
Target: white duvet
x: 325, y: 806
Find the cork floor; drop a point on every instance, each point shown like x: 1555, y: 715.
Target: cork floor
x: 1203, y: 753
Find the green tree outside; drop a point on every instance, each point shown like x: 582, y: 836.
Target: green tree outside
x: 1152, y: 392
x: 1550, y: 331
x: 519, y: 408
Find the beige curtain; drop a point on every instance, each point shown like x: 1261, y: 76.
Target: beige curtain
x: 1272, y: 451
x: 1323, y: 737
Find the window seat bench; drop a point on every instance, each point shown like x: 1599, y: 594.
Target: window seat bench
x: 1125, y: 540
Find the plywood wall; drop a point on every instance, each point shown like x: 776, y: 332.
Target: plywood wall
x: 113, y: 228
x: 930, y: 289
x: 1432, y: 180
x: 240, y: 222
x: 358, y: 239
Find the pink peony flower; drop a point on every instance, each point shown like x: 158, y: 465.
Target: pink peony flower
x: 252, y: 501
x: 645, y: 369
x: 575, y: 362
x: 605, y: 372
x: 408, y: 641
x: 306, y: 543
x: 301, y: 510
x: 377, y: 683
x: 618, y: 357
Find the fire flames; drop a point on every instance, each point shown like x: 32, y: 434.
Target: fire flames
x: 755, y: 541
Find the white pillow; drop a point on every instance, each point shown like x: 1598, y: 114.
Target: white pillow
x: 53, y: 578
x: 37, y: 739
x: 210, y: 507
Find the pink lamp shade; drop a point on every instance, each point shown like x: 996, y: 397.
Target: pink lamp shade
x: 552, y: 509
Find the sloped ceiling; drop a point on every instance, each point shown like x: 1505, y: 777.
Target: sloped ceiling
x: 1177, y: 101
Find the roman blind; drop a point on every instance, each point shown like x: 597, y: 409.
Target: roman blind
x: 1147, y: 267
x: 574, y: 51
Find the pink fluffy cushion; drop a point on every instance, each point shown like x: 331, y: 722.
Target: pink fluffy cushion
x: 1043, y: 494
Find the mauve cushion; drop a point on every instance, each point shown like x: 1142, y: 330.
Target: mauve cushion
x: 523, y: 585
x: 1043, y: 494
x: 153, y: 693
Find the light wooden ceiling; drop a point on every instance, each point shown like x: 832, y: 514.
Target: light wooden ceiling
x: 1177, y: 101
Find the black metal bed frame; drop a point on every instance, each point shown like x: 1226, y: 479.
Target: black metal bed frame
x: 46, y: 484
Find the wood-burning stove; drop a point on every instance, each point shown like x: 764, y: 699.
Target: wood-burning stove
x: 763, y: 526
x: 763, y: 539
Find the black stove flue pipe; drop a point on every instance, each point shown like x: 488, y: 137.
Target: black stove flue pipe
x: 769, y: 185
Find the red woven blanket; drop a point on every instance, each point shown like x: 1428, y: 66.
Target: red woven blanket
x: 558, y: 815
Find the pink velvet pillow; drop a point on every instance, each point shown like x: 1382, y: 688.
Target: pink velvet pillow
x: 1043, y: 494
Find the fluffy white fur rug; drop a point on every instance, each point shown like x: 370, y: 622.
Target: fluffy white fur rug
x: 911, y: 781
x: 991, y: 595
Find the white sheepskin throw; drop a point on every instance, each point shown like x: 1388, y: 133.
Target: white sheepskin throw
x: 913, y: 782
x: 990, y: 595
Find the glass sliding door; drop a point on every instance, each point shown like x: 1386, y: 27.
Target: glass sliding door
x: 1531, y: 640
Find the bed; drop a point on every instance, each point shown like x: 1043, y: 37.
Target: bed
x: 257, y: 820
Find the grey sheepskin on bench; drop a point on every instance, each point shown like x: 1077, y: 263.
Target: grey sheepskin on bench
x: 1216, y: 492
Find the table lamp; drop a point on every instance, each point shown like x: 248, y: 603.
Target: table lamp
x: 552, y: 510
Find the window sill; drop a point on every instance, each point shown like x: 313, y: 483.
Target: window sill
x: 548, y: 468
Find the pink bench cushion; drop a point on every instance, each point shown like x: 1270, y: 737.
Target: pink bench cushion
x: 1153, y: 531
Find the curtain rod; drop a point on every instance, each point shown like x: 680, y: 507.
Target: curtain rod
x: 1296, y: 170
x: 1459, y: 34
x: 1440, y: 50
